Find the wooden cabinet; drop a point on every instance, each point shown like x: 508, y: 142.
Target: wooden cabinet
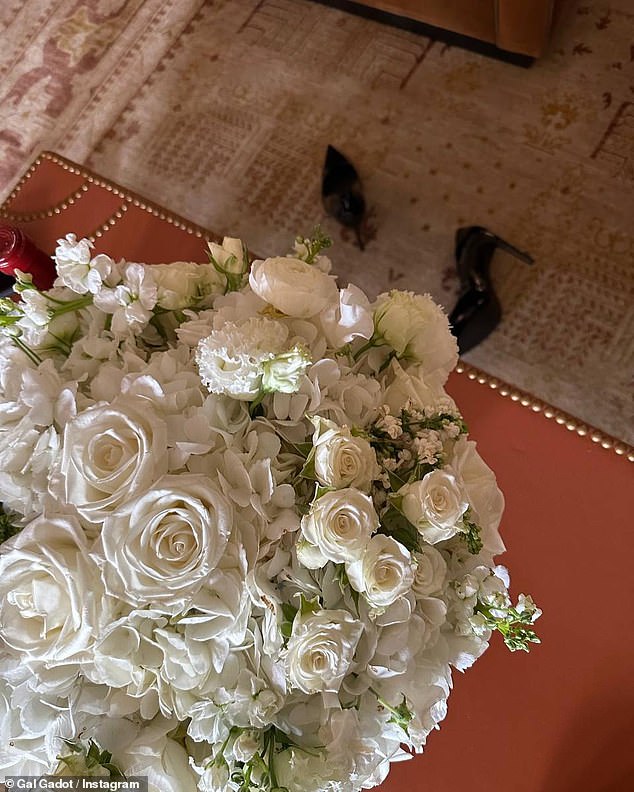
x: 516, y: 26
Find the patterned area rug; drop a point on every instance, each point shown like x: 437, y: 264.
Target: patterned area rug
x: 222, y: 112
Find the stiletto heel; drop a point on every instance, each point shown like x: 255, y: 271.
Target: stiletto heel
x: 477, y: 311
x: 342, y: 194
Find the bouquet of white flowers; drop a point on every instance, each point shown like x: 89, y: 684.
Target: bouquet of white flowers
x: 246, y: 537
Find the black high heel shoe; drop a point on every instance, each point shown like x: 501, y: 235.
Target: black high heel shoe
x: 478, y: 311
x: 341, y: 192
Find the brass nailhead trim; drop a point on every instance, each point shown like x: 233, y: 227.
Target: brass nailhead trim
x: 560, y: 417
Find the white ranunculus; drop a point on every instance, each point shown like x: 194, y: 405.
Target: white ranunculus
x: 484, y: 496
x: 292, y: 286
x: 349, y: 319
x: 417, y: 329
x: 342, y: 460
x: 320, y: 650
x: 161, y: 546
x: 431, y: 570
x: 110, y: 453
x: 384, y: 573
x: 340, y: 524
x: 434, y: 505
x: 182, y: 284
x: 52, y: 601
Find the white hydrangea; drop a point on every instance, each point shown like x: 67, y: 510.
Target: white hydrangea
x: 252, y: 537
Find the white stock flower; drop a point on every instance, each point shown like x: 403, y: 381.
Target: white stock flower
x: 417, y: 329
x: 160, y: 547
x: 435, y: 505
x: 110, y: 453
x: 52, y: 600
x: 384, y: 573
x: 340, y: 524
x: 342, y: 460
x: 76, y: 267
x: 132, y: 301
x: 320, y: 650
x: 292, y: 286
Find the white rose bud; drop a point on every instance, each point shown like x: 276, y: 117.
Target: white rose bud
x: 342, y: 460
x: 320, y: 650
x: 229, y: 255
x: 434, y: 505
x: 292, y: 286
x: 340, y: 524
x: 384, y: 573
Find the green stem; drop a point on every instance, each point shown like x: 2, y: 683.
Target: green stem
x: 33, y: 356
x: 371, y: 343
x: 72, y: 305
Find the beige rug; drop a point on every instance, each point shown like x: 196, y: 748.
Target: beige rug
x: 222, y: 112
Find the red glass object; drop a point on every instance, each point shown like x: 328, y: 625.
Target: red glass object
x: 17, y: 251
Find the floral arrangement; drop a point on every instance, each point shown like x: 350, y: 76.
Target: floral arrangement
x: 245, y: 535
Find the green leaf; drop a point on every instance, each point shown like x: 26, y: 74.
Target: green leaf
x: 471, y: 536
x: 7, y: 529
x: 396, y: 525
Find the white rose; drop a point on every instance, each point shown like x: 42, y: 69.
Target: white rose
x: 292, y: 286
x: 384, y: 573
x: 185, y: 283
x: 434, y: 505
x: 431, y: 569
x: 417, y: 329
x: 482, y: 492
x: 340, y: 524
x: 52, y: 600
x: 342, y: 460
x: 320, y: 650
x: 161, y: 546
x: 110, y: 453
